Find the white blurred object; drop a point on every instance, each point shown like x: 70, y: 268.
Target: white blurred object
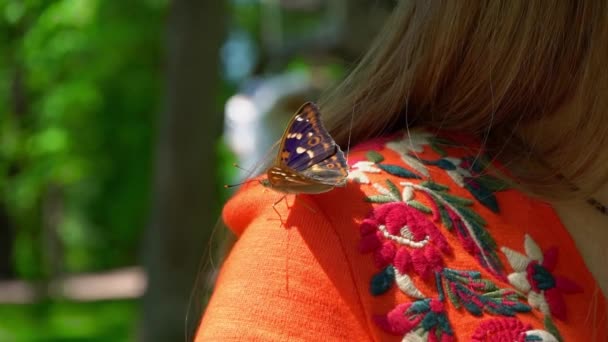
x: 246, y: 129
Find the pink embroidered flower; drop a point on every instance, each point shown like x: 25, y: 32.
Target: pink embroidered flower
x: 509, y: 329
x: 400, y: 235
x: 534, y: 275
x: 422, y: 320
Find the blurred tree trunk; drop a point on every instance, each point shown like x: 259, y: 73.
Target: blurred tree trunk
x: 19, y: 109
x: 185, y: 202
x: 6, y: 243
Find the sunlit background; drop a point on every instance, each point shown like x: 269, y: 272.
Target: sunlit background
x: 119, y: 124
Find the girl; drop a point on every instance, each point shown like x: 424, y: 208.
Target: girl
x: 473, y: 208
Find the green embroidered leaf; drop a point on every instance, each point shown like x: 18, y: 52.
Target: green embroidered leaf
x: 374, y: 157
x: 419, y: 206
x: 438, y: 149
x: 480, y: 164
x: 456, y: 201
x: 552, y: 329
x: 382, y: 281
x: 434, y: 186
x: 452, y: 297
x: 442, y: 141
x: 420, y: 306
x: 398, y: 171
x: 472, y: 217
x: 379, y: 199
x: 394, y: 190
x: 445, y: 218
x: 476, y: 294
x: 482, y: 194
x: 492, y: 183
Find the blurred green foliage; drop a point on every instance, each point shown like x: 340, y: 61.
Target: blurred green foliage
x: 68, y: 321
x: 89, y: 75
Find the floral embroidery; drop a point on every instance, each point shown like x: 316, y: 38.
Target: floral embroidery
x: 509, y: 329
x: 402, y: 236
x: 453, y: 211
x: 426, y: 319
x: 533, y: 275
x: 406, y: 241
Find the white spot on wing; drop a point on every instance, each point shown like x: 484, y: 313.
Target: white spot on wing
x: 300, y: 150
x: 310, y: 153
x: 299, y: 118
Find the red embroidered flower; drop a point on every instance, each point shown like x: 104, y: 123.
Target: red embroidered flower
x: 422, y: 320
x: 534, y: 275
x: 400, y: 235
x: 509, y: 329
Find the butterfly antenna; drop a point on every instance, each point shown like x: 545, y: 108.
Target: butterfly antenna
x: 240, y: 168
x: 228, y: 186
x: 350, y: 131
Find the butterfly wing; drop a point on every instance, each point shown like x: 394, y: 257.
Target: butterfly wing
x: 309, y: 160
x: 332, y: 170
x: 305, y: 141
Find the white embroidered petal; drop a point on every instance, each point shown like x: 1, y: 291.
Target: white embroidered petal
x: 358, y: 177
x: 415, y: 164
x: 413, y: 337
x: 405, y: 284
x: 537, y: 300
x: 403, y: 149
x: 397, y: 146
x: 408, y: 193
x: 456, y: 177
x: 520, y: 281
x: 416, y: 139
x: 532, y: 249
x: 543, y: 335
x: 366, y: 166
x: 384, y: 191
x: 518, y: 261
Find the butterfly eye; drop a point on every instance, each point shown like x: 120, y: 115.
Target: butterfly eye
x: 314, y: 141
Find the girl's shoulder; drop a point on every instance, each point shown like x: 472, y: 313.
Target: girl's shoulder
x: 439, y: 248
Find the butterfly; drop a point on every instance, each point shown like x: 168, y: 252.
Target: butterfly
x: 308, y: 161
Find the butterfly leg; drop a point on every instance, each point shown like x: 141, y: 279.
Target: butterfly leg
x: 275, y: 209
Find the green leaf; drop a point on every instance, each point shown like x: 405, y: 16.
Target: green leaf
x: 492, y: 183
x: 445, y: 218
x: 393, y: 189
x: 382, y: 281
x: 472, y: 217
x: 438, y: 149
x: 456, y: 201
x: 398, y: 171
x: 551, y: 328
x: 420, y: 206
x: 374, y: 157
x: 434, y: 186
x: 442, y: 141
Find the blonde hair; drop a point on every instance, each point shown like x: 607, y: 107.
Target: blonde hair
x: 527, y: 77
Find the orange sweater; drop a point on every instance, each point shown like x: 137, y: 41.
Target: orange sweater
x: 421, y: 245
